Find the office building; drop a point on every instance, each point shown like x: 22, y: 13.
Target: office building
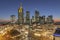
x: 20, y: 15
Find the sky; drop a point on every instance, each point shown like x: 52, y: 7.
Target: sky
x: 45, y: 7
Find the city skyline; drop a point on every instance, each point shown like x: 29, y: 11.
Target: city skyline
x: 45, y: 7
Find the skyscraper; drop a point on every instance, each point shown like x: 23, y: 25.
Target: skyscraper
x: 33, y: 19
x: 43, y: 18
x: 36, y: 16
x: 20, y: 15
x: 50, y: 19
x: 27, y: 17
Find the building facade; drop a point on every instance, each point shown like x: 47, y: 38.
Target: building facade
x: 20, y: 15
x: 50, y: 19
x: 27, y: 17
x: 36, y: 16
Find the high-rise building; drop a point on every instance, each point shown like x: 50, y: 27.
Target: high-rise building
x: 13, y: 18
x: 36, y: 16
x: 40, y: 19
x: 24, y: 20
x: 33, y: 19
x: 27, y: 17
x: 43, y: 19
x: 20, y: 15
x: 50, y: 19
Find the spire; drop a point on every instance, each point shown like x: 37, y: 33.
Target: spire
x: 21, y: 5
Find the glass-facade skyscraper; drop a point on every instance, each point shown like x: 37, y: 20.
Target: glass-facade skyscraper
x: 20, y: 15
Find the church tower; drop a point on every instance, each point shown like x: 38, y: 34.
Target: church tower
x: 20, y: 15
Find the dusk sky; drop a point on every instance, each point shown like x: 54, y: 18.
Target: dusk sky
x: 45, y: 7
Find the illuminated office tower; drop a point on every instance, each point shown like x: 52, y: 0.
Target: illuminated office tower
x: 50, y: 19
x: 20, y: 15
x: 27, y: 17
x: 36, y: 16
